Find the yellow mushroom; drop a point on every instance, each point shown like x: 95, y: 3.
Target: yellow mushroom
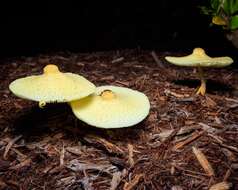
x: 112, y: 107
x: 200, y: 59
x: 52, y: 86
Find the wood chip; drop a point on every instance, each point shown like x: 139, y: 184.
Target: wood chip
x: 120, y: 59
x: 234, y: 166
x: 203, y: 161
x: 75, y: 150
x: 176, y: 187
x: 168, y: 92
x: 4, y: 165
x: 76, y: 165
x: 229, y: 154
x: 116, y: 179
x: 221, y: 186
x: 155, y: 57
x: 188, y: 99
x: 187, y: 129
x: 124, y: 83
x: 3, y: 185
x: 130, y: 155
x: 69, y: 180
x: 62, y: 154
x: 107, y: 78
x: 210, y: 102
x: 9, y: 145
x: 103, y: 143
x: 189, y: 140
x: 131, y: 184
x: 47, y: 169
x: 22, y: 164
x: 20, y: 155
x: 227, y: 175
x: 220, y: 142
x: 58, y: 136
x: 164, y: 134
x: 231, y: 100
x: 207, y: 128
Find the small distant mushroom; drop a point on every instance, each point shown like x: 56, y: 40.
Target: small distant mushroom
x: 200, y: 59
x: 112, y: 107
x: 52, y: 86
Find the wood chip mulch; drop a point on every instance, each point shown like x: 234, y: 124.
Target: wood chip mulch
x: 187, y: 141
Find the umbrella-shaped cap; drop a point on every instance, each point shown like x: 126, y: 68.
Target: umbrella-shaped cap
x: 112, y: 107
x: 52, y: 86
x: 199, y: 59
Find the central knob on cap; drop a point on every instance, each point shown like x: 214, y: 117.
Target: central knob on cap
x: 199, y: 51
x: 51, y: 69
x: 107, y: 95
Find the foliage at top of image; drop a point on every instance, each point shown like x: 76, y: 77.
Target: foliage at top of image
x: 223, y: 12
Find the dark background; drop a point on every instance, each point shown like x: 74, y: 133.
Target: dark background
x: 165, y: 25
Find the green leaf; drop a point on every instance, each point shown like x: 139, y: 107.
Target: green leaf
x: 204, y: 10
x: 227, y: 7
x: 234, y: 6
x: 215, y: 4
x: 230, y: 7
x: 234, y: 22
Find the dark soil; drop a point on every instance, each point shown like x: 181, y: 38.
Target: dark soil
x: 50, y: 149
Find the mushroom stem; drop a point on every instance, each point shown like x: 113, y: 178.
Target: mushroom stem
x: 202, y: 89
x: 42, y: 104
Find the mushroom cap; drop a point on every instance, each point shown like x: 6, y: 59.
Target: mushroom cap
x: 112, y: 107
x: 199, y: 59
x: 52, y: 86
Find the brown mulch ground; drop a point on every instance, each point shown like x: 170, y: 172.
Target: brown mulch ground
x: 50, y: 149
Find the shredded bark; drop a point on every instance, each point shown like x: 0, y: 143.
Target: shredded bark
x: 51, y: 149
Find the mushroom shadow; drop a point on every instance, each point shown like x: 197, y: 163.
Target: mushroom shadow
x: 35, y: 122
x: 212, y: 86
x: 120, y: 134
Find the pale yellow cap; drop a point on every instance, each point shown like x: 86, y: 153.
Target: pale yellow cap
x: 52, y: 86
x: 112, y: 107
x: 199, y: 59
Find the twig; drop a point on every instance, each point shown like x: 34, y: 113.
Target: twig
x: 130, y: 185
x: 159, y: 63
x: 187, y: 141
x: 9, y: 145
x: 203, y: 161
